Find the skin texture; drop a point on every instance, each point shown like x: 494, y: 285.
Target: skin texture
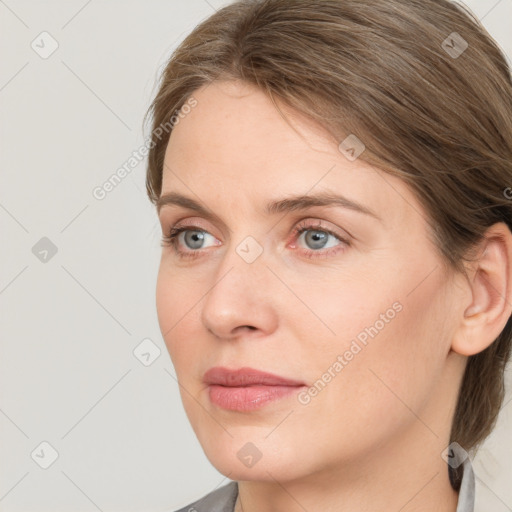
x: 372, y: 438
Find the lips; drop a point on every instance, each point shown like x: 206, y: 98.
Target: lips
x: 246, y: 377
x: 246, y: 389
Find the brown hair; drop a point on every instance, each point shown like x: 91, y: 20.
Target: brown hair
x: 392, y: 73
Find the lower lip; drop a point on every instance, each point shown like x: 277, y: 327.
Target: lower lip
x: 248, y: 398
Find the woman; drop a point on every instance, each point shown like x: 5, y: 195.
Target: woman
x: 335, y: 286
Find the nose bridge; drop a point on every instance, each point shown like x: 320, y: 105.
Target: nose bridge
x: 240, y: 294
x: 244, y: 262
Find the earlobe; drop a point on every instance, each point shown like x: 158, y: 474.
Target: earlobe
x: 490, y: 285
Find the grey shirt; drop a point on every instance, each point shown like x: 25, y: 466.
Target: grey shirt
x: 224, y: 498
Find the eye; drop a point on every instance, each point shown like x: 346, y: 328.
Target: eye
x: 192, y: 237
x: 319, y: 240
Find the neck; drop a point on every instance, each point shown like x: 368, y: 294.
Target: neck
x: 403, y: 475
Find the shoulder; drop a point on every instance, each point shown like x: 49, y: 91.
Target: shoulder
x: 220, y: 500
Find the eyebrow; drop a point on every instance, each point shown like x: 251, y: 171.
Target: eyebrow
x: 288, y: 204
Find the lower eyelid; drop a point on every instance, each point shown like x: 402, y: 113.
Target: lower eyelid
x: 297, y: 232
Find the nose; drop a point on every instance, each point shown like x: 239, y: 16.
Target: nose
x: 241, y: 299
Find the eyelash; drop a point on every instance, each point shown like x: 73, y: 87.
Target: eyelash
x: 171, y: 240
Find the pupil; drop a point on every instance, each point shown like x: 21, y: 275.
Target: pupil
x: 317, y: 238
x: 195, y: 239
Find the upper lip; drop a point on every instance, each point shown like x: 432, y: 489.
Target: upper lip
x: 242, y: 377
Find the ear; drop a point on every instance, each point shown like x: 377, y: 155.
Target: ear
x: 490, y: 285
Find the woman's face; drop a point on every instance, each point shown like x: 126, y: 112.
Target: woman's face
x: 353, y: 312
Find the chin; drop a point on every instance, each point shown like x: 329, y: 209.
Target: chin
x: 267, y: 469
x: 249, y: 456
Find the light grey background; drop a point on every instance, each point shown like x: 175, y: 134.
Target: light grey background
x: 70, y: 324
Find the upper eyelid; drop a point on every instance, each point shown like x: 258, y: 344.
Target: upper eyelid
x: 190, y: 214
x: 340, y: 237
x: 319, y: 209
x: 298, y: 229
x: 194, y: 225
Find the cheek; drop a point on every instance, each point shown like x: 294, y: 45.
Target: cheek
x: 343, y: 310
x: 165, y: 303
x: 392, y: 342
x: 176, y: 313
x: 177, y: 295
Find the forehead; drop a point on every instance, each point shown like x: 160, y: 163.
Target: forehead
x: 233, y: 117
x: 235, y: 146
